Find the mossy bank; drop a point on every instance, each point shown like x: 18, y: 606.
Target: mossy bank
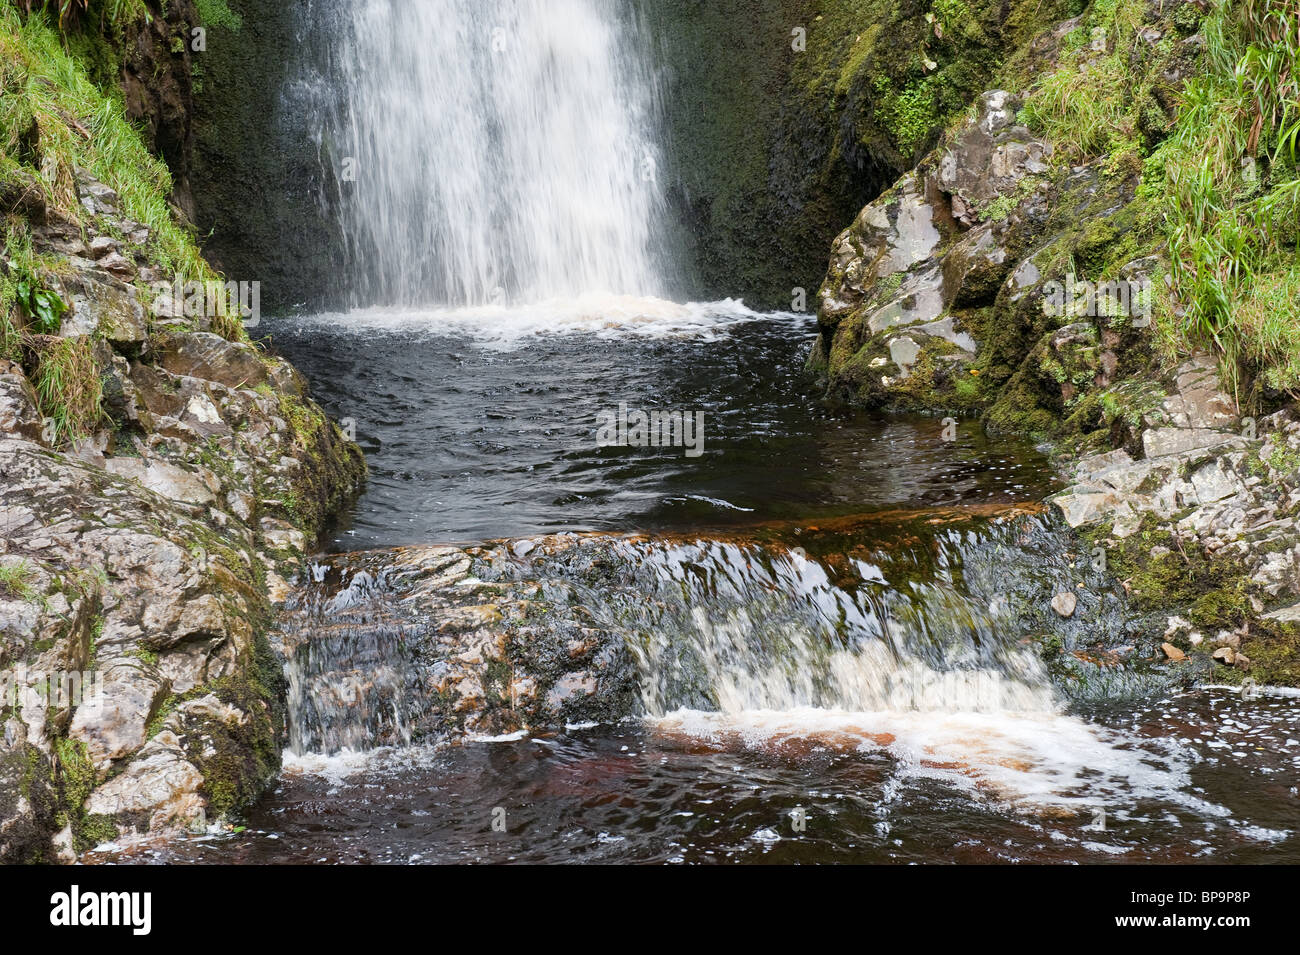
x: 1092, y: 255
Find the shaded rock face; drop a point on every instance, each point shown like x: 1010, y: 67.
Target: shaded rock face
x: 265, y: 200
x: 138, y: 558
x: 912, y: 282
x: 158, y: 66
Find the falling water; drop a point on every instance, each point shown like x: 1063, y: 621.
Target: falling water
x: 488, y: 151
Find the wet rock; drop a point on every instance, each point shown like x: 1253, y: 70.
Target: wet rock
x: 104, y: 308
x: 115, y: 726
x: 18, y: 414
x: 158, y: 781
x: 1289, y: 614
x: 1199, y: 401
x: 903, y: 352
x: 1164, y: 442
x: 1083, y: 506
x: 172, y: 482
x: 96, y: 198
x: 923, y: 257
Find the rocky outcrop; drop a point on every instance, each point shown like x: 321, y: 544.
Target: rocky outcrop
x: 942, y: 294
x: 139, y: 546
x: 1202, y: 525
x: 439, y: 642
x: 1006, y: 277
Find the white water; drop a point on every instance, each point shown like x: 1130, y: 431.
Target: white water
x: 503, y: 150
x: 507, y: 327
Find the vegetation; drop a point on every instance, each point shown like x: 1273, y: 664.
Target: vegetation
x: 55, y: 122
x: 15, y: 580
x: 69, y: 389
x: 1221, y: 178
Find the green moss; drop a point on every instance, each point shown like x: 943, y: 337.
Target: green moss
x: 77, y: 779
x: 218, y: 13
x: 240, y: 760
x: 1274, y: 651
x: 1169, y: 576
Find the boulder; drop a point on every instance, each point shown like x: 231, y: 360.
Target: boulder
x: 209, y: 356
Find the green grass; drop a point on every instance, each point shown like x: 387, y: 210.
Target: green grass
x: 1223, y: 182
x: 15, y: 580
x: 1233, y: 233
x: 54, y: 119
x: 69, y: 390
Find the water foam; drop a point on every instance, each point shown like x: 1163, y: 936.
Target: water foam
x: 512, y: 326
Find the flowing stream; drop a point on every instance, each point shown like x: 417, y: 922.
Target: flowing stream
x: 835, y: 628
x: 835, y: 622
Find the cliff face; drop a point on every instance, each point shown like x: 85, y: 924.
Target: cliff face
x: 785, y: 116
x: 263, y: 206
x: 157, y: 471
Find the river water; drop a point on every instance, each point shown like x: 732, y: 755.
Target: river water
x: 874, y: 695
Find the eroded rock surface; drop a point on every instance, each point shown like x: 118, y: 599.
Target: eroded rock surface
x: 1205, y: 514
x: 138, y: 556
x: 441, y: 641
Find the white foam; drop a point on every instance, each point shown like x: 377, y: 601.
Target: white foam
x: 1031, y: 761
x: 604, y: 315
x: 340, y: 766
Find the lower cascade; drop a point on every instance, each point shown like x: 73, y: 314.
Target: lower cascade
x: 930, y: 617
x: 904, y: 643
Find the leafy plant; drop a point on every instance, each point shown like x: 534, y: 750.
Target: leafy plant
x: 43, y: 306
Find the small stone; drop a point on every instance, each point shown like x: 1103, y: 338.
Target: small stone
x: 1226, y: 638
x: 1173, y: 653
x: 101, y: 245
x: 1064, y: 603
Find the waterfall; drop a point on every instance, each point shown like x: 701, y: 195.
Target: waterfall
x: 927, y: 620
x: 487, y: 151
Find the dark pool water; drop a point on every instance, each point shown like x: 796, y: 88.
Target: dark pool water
x: 471, y: 435
x: 1196, y: 778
